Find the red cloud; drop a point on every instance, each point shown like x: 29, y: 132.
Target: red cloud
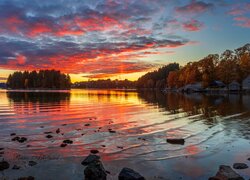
x: 192, y: 25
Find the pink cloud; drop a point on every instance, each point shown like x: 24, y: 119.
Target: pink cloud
x: 192, y: 25
x: 243, y: 21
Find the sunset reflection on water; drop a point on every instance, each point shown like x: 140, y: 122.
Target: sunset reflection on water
x: 142, y: 122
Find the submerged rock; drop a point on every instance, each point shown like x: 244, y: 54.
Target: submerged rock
x: 176, y: 141
x: 4, y: 165
x: 112, y: 131
x: 16, y: 167
x: 48, y: 132
x: 26, y: 178
x: 226, y: 173
x: 58, y: 131
x: 90, y: 159
x: 63, y: 145
x: 32, y: 163
x: 67, y: 141
x: 87, y: 124
x: 94, y: 151
x: 129, y: 174
x: 49, y: 136
x: 95, y: 171
x: 19, y: 139
x: 240, y: 166
x: 12, y: 134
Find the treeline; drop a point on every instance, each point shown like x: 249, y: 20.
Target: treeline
x: 227, y: 67
x: 157, y: 78
x: 106, y: 84
x: 43, y: 79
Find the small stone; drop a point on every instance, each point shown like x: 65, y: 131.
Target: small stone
x: 240, y: 166
x: 26, y: 178
x: 16, y: 167
x: 41, y: 126
x: 95, y: 171
x: 226, y: 173
x: 63, y: 145
x: 120, y: 147
x: 64, y: 124
x: 67, y: 141
x: 32, y: 163
x: 47, y: 132
x: 49, y: 136
x: 129, y: 174
x: 94, y: 151
x: 112, y: 131
x: 58, y: 131
x: 87, y: 124
x: 176, y: 141
x: 90, y: 159
x: 4, y: 165
x: 15, y: 138
x: 103, y: 145
x: 12, y: 134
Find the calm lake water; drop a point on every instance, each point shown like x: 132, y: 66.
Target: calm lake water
x: 216, y: 129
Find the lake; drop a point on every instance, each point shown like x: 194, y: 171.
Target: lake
x: 216, y: 129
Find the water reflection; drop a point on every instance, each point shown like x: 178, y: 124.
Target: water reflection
x: 141, y: 120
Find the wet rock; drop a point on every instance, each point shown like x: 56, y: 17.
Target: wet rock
x: 87, y: 124
x: 22, y: 139
x: 49, y: 136
x: 90, y: 159
x: 142, y: 139
x: 248, y: 159
x: 95, y: 171
x: 63, y: 145
x: 19, y: 139
x: 94, y: 151
x: 41, y: 126
x: 112, y: 131
x: 176, y: 141
x: 64, y: 124
x: 26, y: 178
x: 1, y: 149
x: 16, y: 167
x: 12, y: 134
x: 58, y: 131
x: 48, y: 132
x: 28, y: 145
x: 4, y: 165
x: 120, y: 147
x: 240, y: 166
x: 32, y: 163
x: 103, y: 145
x: 129, y: 174
x: 67, y: 141
x: 226, y: 173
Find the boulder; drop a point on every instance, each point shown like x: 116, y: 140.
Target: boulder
x: 32, y: 163
x: 95, y: 171
x: 94, y: 151
x: 90, y: 159
x: 4, y: 165
x: 176, y: 141
x: 67, y: 141
x: 240, y: 166
x: 226, y: 173
x: 129, y: 174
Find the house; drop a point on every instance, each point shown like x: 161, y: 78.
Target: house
x: 195, y: 87
x: 234, y: 86
x: 246, y: 84
x: 217, y: 84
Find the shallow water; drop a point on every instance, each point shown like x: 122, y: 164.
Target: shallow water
x: 215, y: 127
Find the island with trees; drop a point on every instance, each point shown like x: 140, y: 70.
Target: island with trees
x: 43, y: 79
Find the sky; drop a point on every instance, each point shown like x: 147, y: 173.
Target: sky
x: 117, y: 39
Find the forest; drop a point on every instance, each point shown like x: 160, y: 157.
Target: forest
x: 43, y: 79
x: 227, y: 67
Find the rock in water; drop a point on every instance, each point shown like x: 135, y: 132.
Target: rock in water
x: 226, y: 173
x: 129, y: 174
x: 32, y: 163
x: 176, y: 141
x: 58, y: 131
x: 26, y: 178
x: 95, y: 171
x: 94, y: 151
x: 90, y: 159
x: 67, y: 141
x: 240, y: 166
x: 4, y: 165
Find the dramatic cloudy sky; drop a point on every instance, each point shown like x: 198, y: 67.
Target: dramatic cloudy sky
x: 116, y: 38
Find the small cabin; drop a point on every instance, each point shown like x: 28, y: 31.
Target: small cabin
x: 234, y: 86
x: 246, y: 83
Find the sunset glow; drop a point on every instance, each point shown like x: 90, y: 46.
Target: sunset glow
x: 117, y: 39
